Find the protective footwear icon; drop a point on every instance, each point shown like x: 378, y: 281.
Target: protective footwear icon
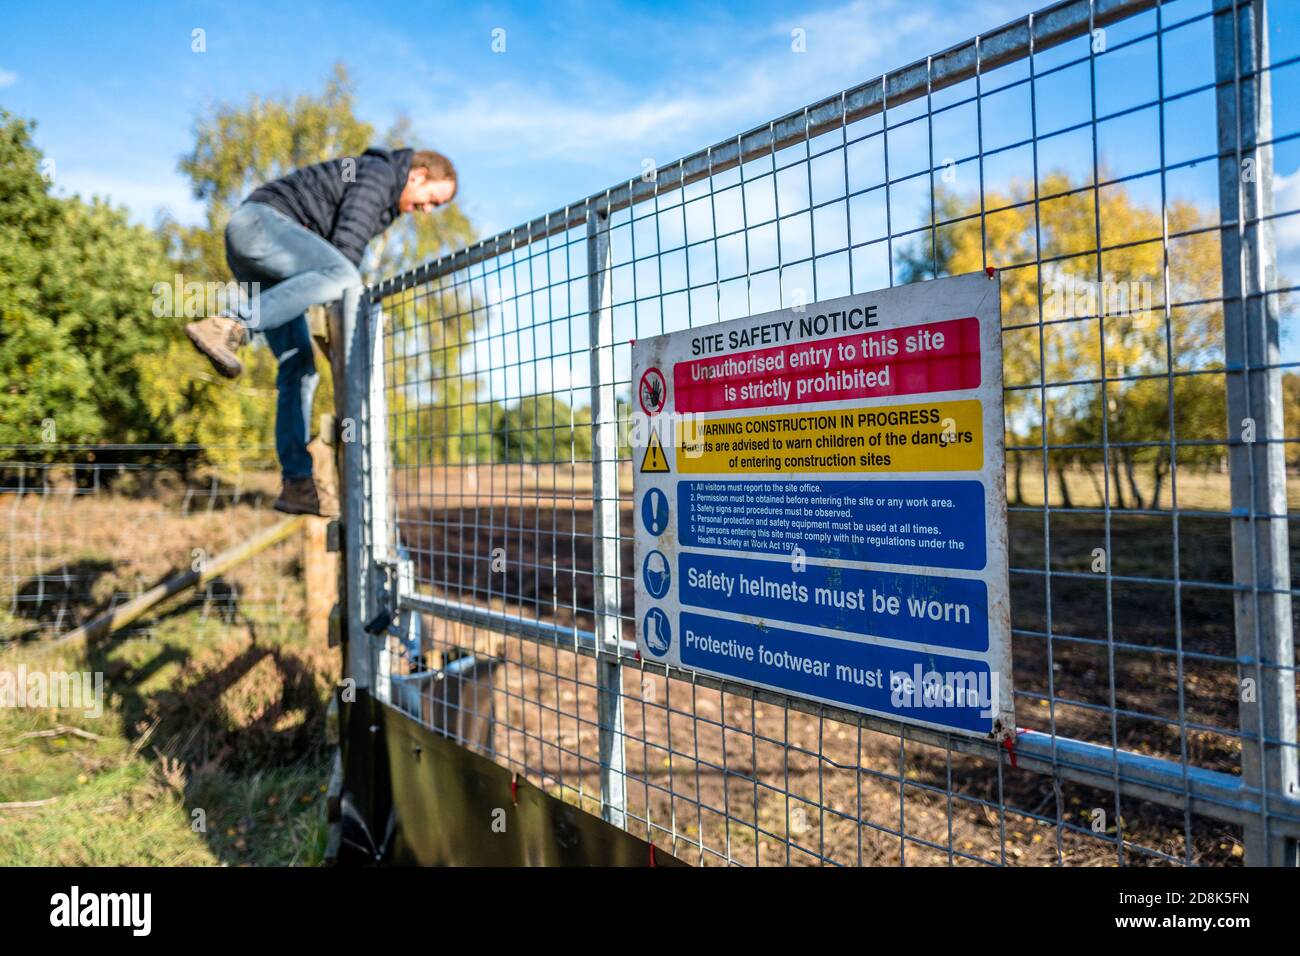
x: 656, y: 632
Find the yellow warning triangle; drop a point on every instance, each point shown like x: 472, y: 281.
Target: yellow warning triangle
x: 655, y: 459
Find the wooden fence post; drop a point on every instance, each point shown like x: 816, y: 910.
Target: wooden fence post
x: 320, y: 566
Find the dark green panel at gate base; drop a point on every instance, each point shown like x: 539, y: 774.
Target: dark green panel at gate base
x: 445, y: 797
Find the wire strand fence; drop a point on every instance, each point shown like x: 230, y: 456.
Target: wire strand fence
x: 89, y: 528
x: 1151, y: 382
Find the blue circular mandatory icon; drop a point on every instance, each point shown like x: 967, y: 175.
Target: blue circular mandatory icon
x: 654, y: 511
x: 656, y: 573
x: 655, y: 632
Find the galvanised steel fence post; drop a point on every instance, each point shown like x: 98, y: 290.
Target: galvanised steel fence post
x: 356, y: 368
x: 607, y: 595
x: 1256, y: 420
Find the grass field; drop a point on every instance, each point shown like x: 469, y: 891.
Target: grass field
x: 210, y: 747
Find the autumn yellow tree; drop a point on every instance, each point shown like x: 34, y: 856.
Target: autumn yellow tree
x: 1090, y: 351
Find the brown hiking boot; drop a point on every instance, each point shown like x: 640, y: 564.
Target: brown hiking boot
x: 303, y: 496
x: 218, y: 337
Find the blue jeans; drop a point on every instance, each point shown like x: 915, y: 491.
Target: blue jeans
x: 294, y: 268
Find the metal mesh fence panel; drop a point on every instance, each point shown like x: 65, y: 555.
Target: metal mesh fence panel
x: 1125, y: 166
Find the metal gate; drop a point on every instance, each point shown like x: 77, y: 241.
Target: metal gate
x: 1149, y: 434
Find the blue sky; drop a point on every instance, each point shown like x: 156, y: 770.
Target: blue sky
x: 583, y: 94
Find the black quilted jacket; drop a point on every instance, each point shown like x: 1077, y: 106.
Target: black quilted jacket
x: 348, y: 205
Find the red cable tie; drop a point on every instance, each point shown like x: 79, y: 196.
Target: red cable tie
x: 653, y: 862
x: 514, y: 790
x: 1010, y: 745
x: 990, y: 271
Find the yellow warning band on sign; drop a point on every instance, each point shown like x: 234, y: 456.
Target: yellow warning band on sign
x: 939, y: 436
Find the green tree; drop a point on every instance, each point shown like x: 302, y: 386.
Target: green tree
x: 1290, y: 408
x: 542, y: 429
x: 436, y: 412
x: 76, y: 282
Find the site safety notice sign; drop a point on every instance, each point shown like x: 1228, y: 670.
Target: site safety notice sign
x: 820, y: 503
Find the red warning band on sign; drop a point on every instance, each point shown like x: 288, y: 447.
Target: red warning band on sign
x: 934, y: 357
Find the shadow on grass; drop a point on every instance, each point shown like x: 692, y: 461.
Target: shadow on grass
x: 233, y: 723
x: 60, y: 597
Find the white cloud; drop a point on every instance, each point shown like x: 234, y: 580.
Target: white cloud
x: 143, y: 195
x: 533, y: 126
x: 7, y: 78
x: 531, y: 123
x: 1286, y: 199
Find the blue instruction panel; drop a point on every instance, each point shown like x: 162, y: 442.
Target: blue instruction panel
x: 937, y: 524
x: 820, y: 504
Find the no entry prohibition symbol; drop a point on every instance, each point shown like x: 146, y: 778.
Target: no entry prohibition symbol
x: 653, y: 391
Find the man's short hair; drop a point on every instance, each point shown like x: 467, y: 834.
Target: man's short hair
x: 435, y: 165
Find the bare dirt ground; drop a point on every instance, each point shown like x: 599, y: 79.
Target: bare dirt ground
x: 716, y: 777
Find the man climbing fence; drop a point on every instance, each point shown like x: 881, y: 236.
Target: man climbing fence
x: 296, y: 242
